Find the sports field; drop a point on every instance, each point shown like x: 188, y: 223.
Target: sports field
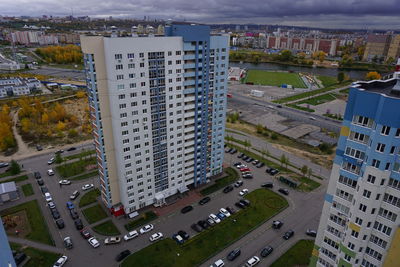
x: 274, y: 78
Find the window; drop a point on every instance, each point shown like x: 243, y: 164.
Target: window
x: 125, y: 132
x: 397, y: 132
x: 387, y: 166
x: 380, y: 147
x: 120, y: 77
x: 354, y: 233
x: 382, y: 228
x: 358, y: 137
x: 394, y: 183
x: 123, y: 124
x: 123, y: 115
x: 131, y: 75
x: 119, y: 67
x: 373, y: 253
x: 141, y: 54
x: 121, y: 106
x: 347, y: 181
x: 350, y: 246
x: 395, y: 201
x: 120, y: 86
x: 354, y: 153
x: 131, y: 65
x: 383, y: 181
x: 126, y: 149
x: 387, y: 214
x: 385, y: 130
x: 392, y: 149
x: 362, y: 207
x: 132, y: 85
x: 376, y: 163
x: 131, y: 55
x: 371, y: 179
x: 118, y: 56
x: 141, y: 65
x: 351, y: 167
x: 367, y: 194
x: 121, y: 97
x: 363, y: 121
x: 358, y: 221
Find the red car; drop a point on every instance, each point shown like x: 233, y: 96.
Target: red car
x: 244, y: 169
x: 85, y: 233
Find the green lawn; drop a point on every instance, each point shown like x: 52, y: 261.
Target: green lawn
x: 301, y: 108
x: 5, y: 174
x: 27, y: 189
x: 264, y: 205
x: 89, y: 197
x: 298, y: 255
x: 106, y: 228
x: 274, y: 78
x: 38, y: 257
x: 144, y: 219
x: 80, y: 155
x: 321, y: 99
x: 15, y: 179
x: 74, y: 168
x: 94, y: 214
x: 221, y: 182
x: 85, y: 175
x: 327, y: 80
x: 39, y: 230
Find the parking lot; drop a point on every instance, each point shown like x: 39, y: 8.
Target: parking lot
x: 84, y: 254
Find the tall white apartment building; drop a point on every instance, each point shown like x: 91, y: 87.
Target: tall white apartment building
x: 158, y: 107
x: 360, y: 221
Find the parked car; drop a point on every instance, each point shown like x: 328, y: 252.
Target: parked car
x: 244, y: 170
x: 60, y: 223
x: 249, y: 160
x: 238, y: 183
x: 233, y: 254
x: 243, y: 192
x: 112, y: 240
x: 39, y: 148
x: 233, y: 151
x: 237, y: 164
x: 59, y: 151
x: 196, y: 228
x: 51, y: 161
x: 312, y: 233
x: 227, y: 189
x: 71, y: 148
x: 68, y: 242
x: 272, y: 171
x: 245, y: 157
x: 277, y: 224
x: 247, y: 176
x: 146, y: 228
x: 252, y: 261
x: 184, y: 235
x: 85, y: 233
x: 48, y: 197
x: 221, y: 216
x: 122, y: 255
x: 44, y: 189
x: 218, y: 263
x: 214, y: 218
x: 255, y: 162
x: 78, y: 224
x: 51, y: 205
x: 93, y: 242
x: 231, y: 210
x: 40, y: 182
x: 178, y: 239
x: 70, y: 205
x: 131, y: 235
x: 50, y: 172
x: 204, y: 224
x: 210, y: 221
x: 74, y: 195
x: 4, y: 164
x: 55, y: 214
x: 266, y: 251
x: 19, y: 257
x: 156, y: 236
x: 228, y: 150
x: 284, y: 191
x: 245, y: 202
x: 240, y: 205
x: 87, y: 187
x: 241, y: 155
x: 260, y: 165
x: 204, y: 200
x: 64, y: 182
x: 267, y: 185
x: 288, y: 234
x: 186, y: 209
x: 61, y: 261
x: 37, y: 175
x: 74, y: 214
x: 225, y: 212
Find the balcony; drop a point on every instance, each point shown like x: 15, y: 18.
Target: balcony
x: 189, y: 74
x: 189, y: 149
x: 191, y: 98
x: 188, y: 122
x: 189, y: 106
x: 188, y: 114
x: 189, y: 137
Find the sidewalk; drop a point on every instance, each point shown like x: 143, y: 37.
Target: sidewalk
x: 34, y: 244
x: 192, y: 196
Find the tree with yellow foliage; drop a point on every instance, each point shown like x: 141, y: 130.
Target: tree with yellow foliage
x: 372, y: 75
x: 80, y: 94
x: 319, y: 55
x: 60, y: 126
x: 6, y: 135
x: 26, y: 125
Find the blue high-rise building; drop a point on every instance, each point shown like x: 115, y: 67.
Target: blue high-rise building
x: 6, y: 256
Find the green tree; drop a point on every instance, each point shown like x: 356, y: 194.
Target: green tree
x: 247, y: 144
x: 340, y: 77
x: 304, y: 170
x: 282, y: 160
x: 58, y: 158
x: 286, y: 55
x: 259, y: 128
x: 14, y: 168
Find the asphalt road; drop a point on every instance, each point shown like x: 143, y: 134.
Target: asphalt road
x: 241, y: 101
x: 304, y: 212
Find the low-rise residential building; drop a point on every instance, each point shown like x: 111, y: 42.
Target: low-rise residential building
x: 8, y: 192
x: 18, y: 86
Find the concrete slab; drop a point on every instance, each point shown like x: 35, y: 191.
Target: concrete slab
x: 300, y: 130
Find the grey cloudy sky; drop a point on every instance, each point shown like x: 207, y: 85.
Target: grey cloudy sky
x: 378, y: 14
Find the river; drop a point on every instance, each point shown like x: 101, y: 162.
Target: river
x: 354, y: 74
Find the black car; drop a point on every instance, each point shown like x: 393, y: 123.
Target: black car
x: 78, y: 224
x: 204, y: 224
x: 228, y: 189
x: 233, y: 254
x: 266, y: 251
x: 71, y: 148
x: 184, y: 235
x: 40, y: 182
x: 272, y: 171
x: 245, y: 157
x: 233, y: 151
x: 196, y: 227
x: 186, y: 209
x: 249, y: 160
x: 39, y: 148
x: 123, y: 255
x: 37, y: 175
x: 74, y: 214
x: 284, y: 191
x: 237, y: 163
x: 55, y: 214
x: 267, y: 185
x: 277, y: 224
x: 60, y: 223
x: 204, y: 200
x: 240, y: 205
x: 241, y: 155
x: 231, y: 210
x: 288, y: 234
x: 19, y: 257
x: 260, y: 165
x: 245, y: 202
x: 44, y: 189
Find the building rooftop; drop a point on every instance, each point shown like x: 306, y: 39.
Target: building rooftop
x: 7, y: 187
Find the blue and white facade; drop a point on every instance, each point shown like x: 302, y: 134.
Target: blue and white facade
x: 158, y: 107
x: 6, y: 256
x: 360, y: 220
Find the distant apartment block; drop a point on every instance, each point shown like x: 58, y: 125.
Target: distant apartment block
x: 18, y: 86
x: 382, y: 47
x: 157, y: 107
x: 360, y: 220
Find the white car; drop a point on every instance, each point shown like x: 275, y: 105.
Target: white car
x: 65, y: 182
x: 48, y: 197
x: 156, y: 236
x: 244, y: 192
x: 112, y: 240
x: 241, y: 166
x: 87, y: 187
x: 218, y: 263
x: 214, y: 218
x: 146, y: 228
x: 253, y: 261
x: 93, y: 241
x: 131, y: 235
x: 50, y: 172
x: 225, y: 212
x: 61, y: 261
x: 51, y: 161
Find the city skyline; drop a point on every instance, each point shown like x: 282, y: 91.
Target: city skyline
x: 327, y: 14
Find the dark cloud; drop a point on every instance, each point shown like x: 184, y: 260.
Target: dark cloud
x: 330, y: 13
